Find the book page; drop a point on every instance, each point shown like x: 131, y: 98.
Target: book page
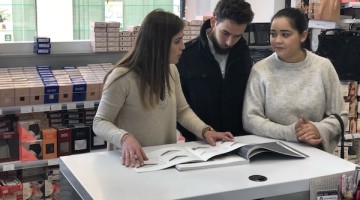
x: 251, y: 150
x: 166, y: 157
x: 206, y: 151
x: 217, y: 161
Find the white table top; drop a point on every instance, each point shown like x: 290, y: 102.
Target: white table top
x: 102, y: 176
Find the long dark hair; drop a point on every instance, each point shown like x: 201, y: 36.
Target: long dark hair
x: 298, y: 21
x: 150, y: 57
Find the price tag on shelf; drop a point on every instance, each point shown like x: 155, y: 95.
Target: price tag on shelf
x: 41, y: 108
x: 55, y: 107
x: 54, y: 161
x: 71, y: 106
x: 89, y: 104
x: 8, y: 167
x: 26, y: 109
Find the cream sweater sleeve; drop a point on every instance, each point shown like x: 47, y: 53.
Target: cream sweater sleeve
x: 113, y: 98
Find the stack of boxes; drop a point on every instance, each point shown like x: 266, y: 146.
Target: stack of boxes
x: 104, y: 36
x: 113, y: 34
x: 42, y: 45
x: 51, y: 87
x: 70, y: 131
x: 92, y: 83
x: 351, y: 93
x: 20, y: 86
x: 23, y: 86
x: 125, y: 41
x: 132, y: 32
x: 78, y: 83
x: 192, y: 29
x: 98, y: 36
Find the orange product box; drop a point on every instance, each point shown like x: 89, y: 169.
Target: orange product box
x: 49, y: 143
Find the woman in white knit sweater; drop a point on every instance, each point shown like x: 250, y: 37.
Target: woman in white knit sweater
x: 292, y: 93
x: 142, y: 97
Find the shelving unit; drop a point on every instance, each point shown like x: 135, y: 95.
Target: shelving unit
x: 48, y: 107
x: 351, y: 5
x: 18, y: 165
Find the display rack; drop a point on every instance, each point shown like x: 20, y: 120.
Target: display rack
x: 48, y: 107
x: 18, y: 165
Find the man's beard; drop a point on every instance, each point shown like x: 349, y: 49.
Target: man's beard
x: 218, y: 49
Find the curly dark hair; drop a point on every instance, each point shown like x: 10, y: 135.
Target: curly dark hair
x: 238, y: 11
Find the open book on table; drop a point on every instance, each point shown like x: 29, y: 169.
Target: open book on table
x: 198, y: 155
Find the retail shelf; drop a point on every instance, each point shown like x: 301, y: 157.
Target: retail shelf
x: 48, y: 107
x: 17, y: 165
x: 350, y: 21
x: 351, y: 5
x: 350, y: 136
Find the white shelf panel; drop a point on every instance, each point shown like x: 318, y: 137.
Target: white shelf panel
x: 350, y: 21
x: 16, y: 165
x: 48, y: 107
x: 350, y: 136
x: 351, y: 5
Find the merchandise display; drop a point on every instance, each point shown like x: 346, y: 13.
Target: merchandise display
x: 47, y: 112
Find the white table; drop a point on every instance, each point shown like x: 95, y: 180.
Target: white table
x: 101, y: 176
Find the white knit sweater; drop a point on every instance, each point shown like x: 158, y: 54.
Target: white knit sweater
x: 279, y: 92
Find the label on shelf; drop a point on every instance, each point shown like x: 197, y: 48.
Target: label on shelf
x: 41, y: 108
x: 89, y: 104
x: 55, y: 107
x: 8, y: 167
x: 54, y: 161
x: 71, y: 106
x: 26, y: 109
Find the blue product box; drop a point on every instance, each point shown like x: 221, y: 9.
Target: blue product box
x: 42, y: 45
x: 41, y: 39
x: 42, y: 51
x: 48, y: 79
x: 51, y: 93
x: 39, y: 68
x: 69, y: 67
x: 79, y: 91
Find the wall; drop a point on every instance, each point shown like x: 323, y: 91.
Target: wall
x: 263, y: 9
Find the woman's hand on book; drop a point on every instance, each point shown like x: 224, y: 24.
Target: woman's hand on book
x: 212, y: 136
x: 132, y: 151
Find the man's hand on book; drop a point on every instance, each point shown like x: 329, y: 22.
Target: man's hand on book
x: 212, y: 136
x: 132, y: 151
